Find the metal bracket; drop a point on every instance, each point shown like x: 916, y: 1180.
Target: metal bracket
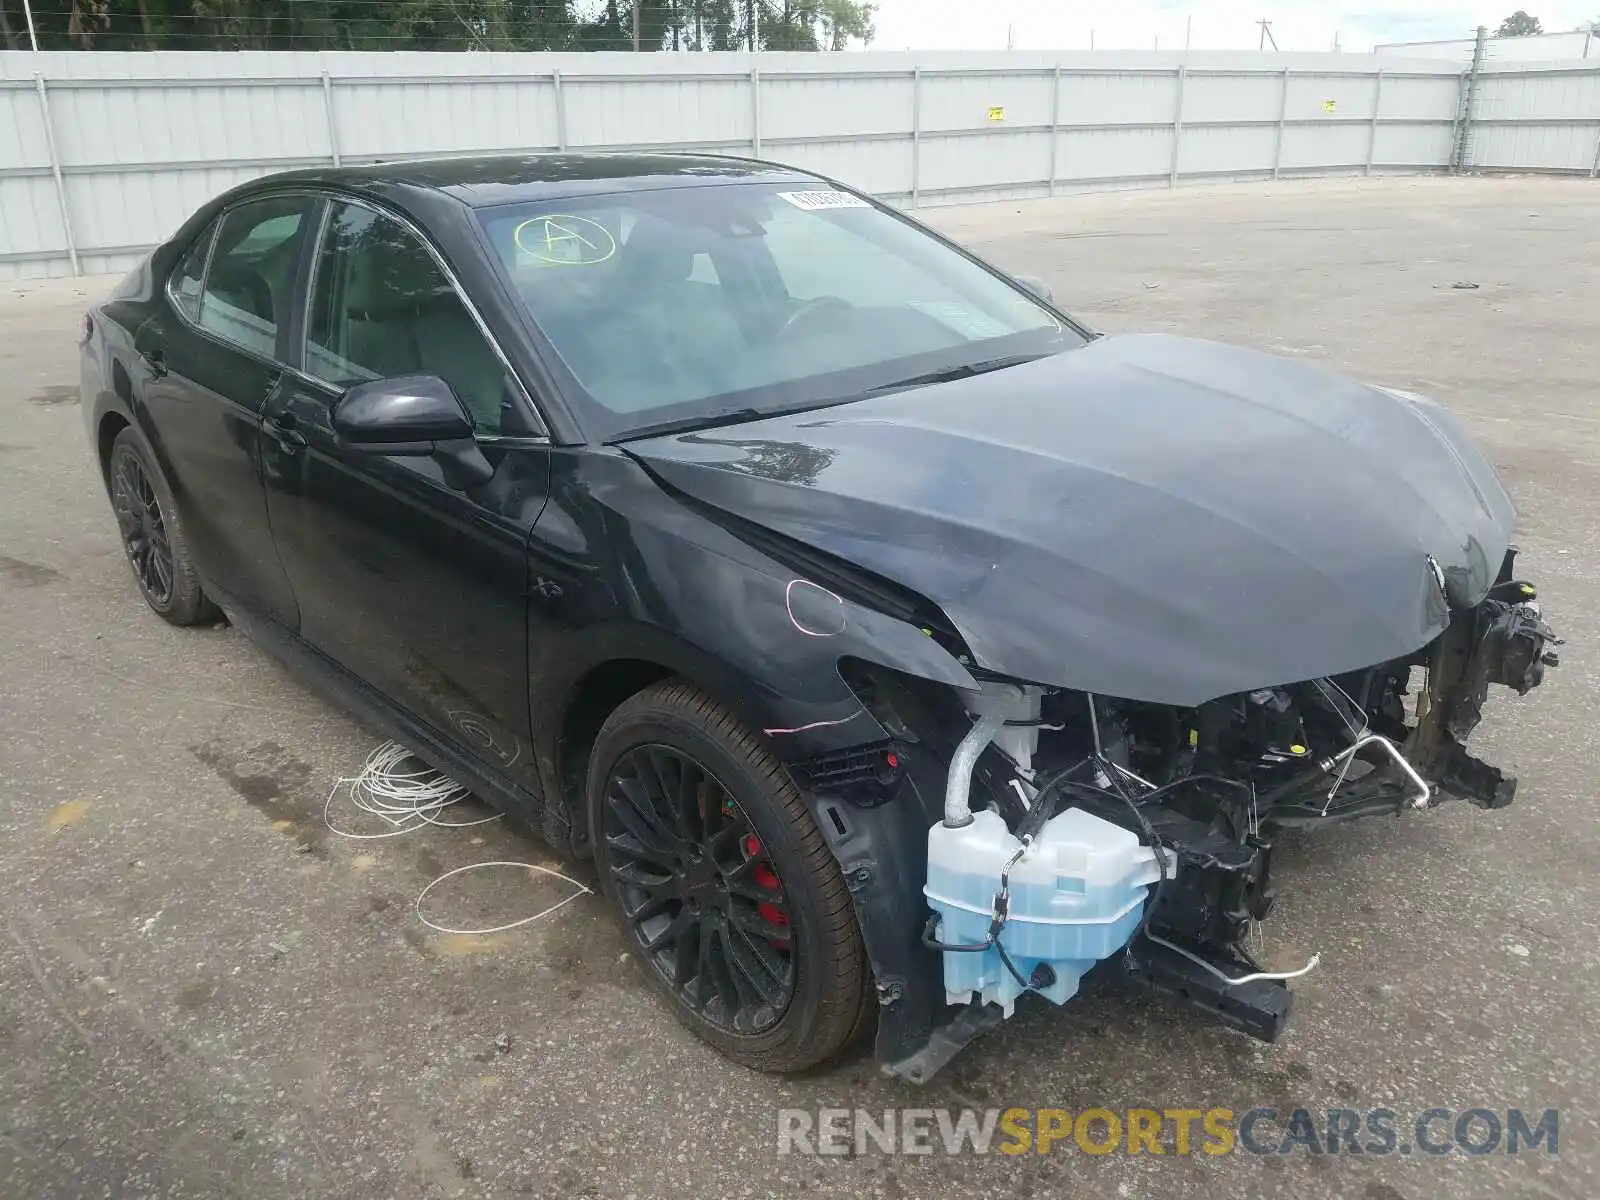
x: 945, y: 1042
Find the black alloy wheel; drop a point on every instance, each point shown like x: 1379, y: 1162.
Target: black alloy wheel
x: 704, y: 903
x: 153, y: 534
x: 143, y: 526
x: 718, y: 874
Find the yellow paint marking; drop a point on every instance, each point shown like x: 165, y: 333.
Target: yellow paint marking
x: 564, y: 240
x: 462, y: 945
x: 66, y: 814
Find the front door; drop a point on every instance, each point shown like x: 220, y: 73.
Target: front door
x: 211, y: 357
x: 418, y: 588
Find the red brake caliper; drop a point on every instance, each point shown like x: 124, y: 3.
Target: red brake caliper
x: 766, y: 877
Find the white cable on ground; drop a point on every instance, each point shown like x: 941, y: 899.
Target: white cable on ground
x: 408, y: 800
x: 581, y: 890
x: 403, y: 799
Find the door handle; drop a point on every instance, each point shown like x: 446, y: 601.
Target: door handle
x: 282, y: 428
x: 155, y: 360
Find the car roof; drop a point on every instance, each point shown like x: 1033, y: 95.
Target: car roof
x: 485, y: 180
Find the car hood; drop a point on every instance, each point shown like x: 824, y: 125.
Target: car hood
x: 1151, y: 517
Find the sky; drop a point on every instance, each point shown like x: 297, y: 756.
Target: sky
x: 1215, y: 24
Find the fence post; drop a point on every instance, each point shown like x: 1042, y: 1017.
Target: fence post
x: 333, y: 124
x: 1177, y: 125
x: 55, y: 170
x: 1469, y: 96
x: 561, y: 111
x: 1594, y: 171
x: 1055, y: 127
x: 1283, y: 114
x: 755, y: 109
x: 1372, y: 131
x: 916, y: 136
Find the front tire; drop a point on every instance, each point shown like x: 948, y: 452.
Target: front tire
x: 153, y: 535
x: 727, y: 893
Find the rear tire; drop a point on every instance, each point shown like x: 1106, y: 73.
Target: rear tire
x: 153, y: 535
x: 726, y: 892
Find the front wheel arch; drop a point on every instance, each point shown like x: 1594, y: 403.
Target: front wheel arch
x: 112, y: 424
x: 589, y: 673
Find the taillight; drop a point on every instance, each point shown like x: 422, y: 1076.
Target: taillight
x: 88, y: 328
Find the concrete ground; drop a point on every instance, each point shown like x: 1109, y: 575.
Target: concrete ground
x: 203, y: 993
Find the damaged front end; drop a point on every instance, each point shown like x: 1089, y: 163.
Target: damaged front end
x: 1178, y: 596
x: 1071, y: 828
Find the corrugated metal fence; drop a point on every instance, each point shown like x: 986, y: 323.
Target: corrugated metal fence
x: 103, y: 154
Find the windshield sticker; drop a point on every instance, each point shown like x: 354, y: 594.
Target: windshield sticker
x: 965, y: 321
x: 820, y: 200
x: 564, y: 240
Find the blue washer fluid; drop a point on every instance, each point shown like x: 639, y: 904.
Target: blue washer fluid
x: 1077, y: 896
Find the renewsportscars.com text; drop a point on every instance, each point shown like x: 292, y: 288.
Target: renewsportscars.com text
x: 1167, y: 1131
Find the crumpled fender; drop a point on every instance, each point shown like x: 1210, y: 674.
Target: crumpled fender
x: 689, y: 594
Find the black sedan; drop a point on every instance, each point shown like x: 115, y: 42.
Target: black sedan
x: 894, y: 644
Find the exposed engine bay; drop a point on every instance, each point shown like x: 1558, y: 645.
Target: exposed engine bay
x: 1079, y: 828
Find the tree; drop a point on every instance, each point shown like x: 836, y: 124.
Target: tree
x: 1519, y: 24
x: 436, y: 24
x: 846, y: 19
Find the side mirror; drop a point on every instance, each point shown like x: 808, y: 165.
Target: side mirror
x: 412, y: 415
x: 1032, y: 283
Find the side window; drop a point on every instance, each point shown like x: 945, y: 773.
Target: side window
x: 381, y: 307
x: 247, y: 289
x: 185, y: 282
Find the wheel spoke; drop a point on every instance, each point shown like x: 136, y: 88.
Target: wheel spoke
x: 668, y: 933
x: 686, y: 956
x: 759, y: 927
x: 653, y: 905
x: 753, y: 987
x: 757, y: 965
x: 705, y: 983
x: 139, y: 553
x: 632, y: 809
x: 640, y: 875
x: 633, y: 848
x: 759, y: 894
x: 721, y: 974
x: 667, y: 783
x: 722, y: 844
x: 161, y: 566
x: 131, y: 481
x: 691, y: 782
x: 123, y: 507
x: 648, y: 801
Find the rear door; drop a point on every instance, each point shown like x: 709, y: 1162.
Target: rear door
x: 211, y: 358
x: 417, y: 587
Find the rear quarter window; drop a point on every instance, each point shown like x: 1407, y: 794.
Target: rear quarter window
x: 184, y: 285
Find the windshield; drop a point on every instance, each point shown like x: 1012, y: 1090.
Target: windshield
x: 695, y: 304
